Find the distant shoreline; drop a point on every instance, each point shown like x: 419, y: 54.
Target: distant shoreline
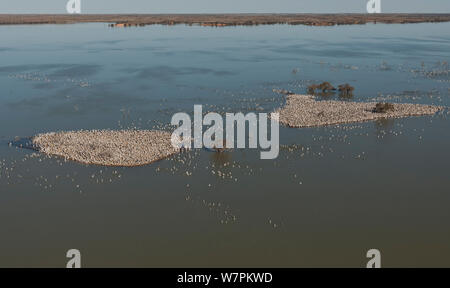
x: 219, y: 20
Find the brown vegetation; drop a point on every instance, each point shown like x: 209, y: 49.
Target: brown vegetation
x: 219, y: 20
x: 324, y: 87
x: 383, y: 107
x: 346, y: 90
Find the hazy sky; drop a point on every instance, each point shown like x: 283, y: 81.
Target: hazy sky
x: 223, y: 6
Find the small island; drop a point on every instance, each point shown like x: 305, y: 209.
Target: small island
x: 306, y: 111
x: 123, y: 148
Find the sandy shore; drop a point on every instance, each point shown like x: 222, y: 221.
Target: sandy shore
x: 221, y: 20
x: 107, y: 147
x: 306, y: 111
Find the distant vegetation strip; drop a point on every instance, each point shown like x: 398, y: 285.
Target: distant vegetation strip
x: 220, y: 20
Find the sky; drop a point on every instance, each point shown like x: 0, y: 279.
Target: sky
x: 224, y: 6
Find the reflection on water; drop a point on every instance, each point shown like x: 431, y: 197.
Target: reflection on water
x: 333, y: 193
x: 384, y: 123
x: 221, y: 158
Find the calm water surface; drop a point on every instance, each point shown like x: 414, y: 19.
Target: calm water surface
x: 332, y: 194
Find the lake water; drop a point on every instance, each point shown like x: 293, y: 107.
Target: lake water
x: 332, y: 194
